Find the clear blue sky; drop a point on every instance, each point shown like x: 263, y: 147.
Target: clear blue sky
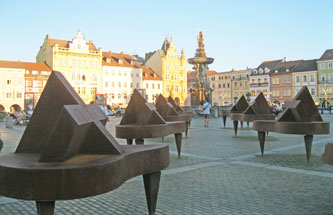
x: 236, y: 33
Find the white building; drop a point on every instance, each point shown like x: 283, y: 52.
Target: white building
x: 260, y: 79
x: 121, y: 75
x: 11, y: 85
x: 152, y: 83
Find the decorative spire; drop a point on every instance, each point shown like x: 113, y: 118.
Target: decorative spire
x: 201, y: 46
x: 183, y: 53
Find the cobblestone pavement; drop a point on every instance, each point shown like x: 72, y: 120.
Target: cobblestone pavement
x: 217, y: 174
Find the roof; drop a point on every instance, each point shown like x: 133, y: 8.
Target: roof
x: 149, y: 75
x: 269, y: 64
x: 165, y: 45
x: 65, y: 43
x: 306, y: 65
x: 210, y: 72
x: 115, y: 57
x: 139, y: 59
x: 36, y: 66
x: 328, y: 55
x: 11, y: 64
x: 287, y: 66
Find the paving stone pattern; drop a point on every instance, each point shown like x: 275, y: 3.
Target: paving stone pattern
x: 217, y: 174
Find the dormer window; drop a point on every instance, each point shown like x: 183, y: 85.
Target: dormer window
x: 108, y: 60
x: 260, y: 71
x: 120, y: 61
x: 132, y: 63
x: 287, y: 70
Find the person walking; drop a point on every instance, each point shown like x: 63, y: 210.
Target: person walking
x: 206, y: 111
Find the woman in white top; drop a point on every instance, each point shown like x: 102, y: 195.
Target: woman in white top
x: 206, y: 111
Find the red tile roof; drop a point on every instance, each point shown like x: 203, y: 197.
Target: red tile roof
x: 36, y: 66
x: 11, y: 64
x: 210, y: 72
x: 115, y: 57
x: 328, y: 55
x: 149, y: 74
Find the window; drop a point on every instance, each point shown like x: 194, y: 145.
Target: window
x: 223, y: 85
x: 9, y: 82
x: 8, y: 95
x: 119, y: 96
x: 330, y: 65
x: 213, y: 86
x: 125, y: 96
x: 176, y: 77
x: 93, y: 91
x: 323, y: 77
x: 125, y: 85
x: 29, y: 83
x: 146, y: 85
x: 137, y: 74
x: 112, y: 95
x: 83, y: 90
x: 322, y: 66
x: 66, y: 62
x: 158, y: 86
x: 131, y: 85
x: 253, y: 93
x: 220, y: 85
x: 119, y: 73
x: 83, y: 77
x: 330, y: 77
x: 40, y: 84
x: 119, y: 84
x: 265, y: 80
x: 305, y: 78
x: 177, y: 88
x: 312, y: 78
x: 106, y: 84
x: 93, y: 78
x: 120, y: 61
x: 153, y: 86
x: 19, y: 95
x: 146, y: 96
x: 253, y: 81
x: 313, y: 91
x: 73, y: 63
x: 137, y: 85
x: 79, y: 90
x: 112, y: 84
x: 167, y: 88
x: 78, y: 63
x: 167, y: 76
x: 125, y: 74
x: 235, y: 84
x: 297, y: 79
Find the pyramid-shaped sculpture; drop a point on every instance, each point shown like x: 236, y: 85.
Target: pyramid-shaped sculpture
x: 141, y: 112
x: 174, y: 104
x: 300, y: 117
x: 258, y: 106
x: 240, y: 106
x: 165, y: 108
x: 141, y: 120
x: 301, y: 109
x: 69, y: 129
x: 67, y: 153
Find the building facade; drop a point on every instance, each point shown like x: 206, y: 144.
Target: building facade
x: 325, y: 77
x: 78, y: 60
x: 281, y: 82
x: 121, y: 75
x: 220, y: 82
x: 173, y: 70
x: 35, y: 78
x: 306, y: 74
x: 152, y: 83
x: 11, y: 85
x: 239, y: 83
x: 260, y: 79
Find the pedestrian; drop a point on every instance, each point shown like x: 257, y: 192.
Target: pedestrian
x: 206, y: 111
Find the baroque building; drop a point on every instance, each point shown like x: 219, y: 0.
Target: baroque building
x: 78, y: 60
x: 121, y: 75
x: 172, y: 69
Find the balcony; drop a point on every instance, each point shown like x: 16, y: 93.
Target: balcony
x: 259, y: 85
x: 326, y: 82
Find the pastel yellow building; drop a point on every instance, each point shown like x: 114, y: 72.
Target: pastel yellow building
x: 78, y: 60
x: 173, y: 70
x: 306, y: 74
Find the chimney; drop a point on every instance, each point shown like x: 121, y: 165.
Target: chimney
x: 284, y: 59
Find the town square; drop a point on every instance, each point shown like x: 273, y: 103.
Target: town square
x: 187, y: 108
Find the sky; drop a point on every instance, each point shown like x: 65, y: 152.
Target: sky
x: 237, y: 34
